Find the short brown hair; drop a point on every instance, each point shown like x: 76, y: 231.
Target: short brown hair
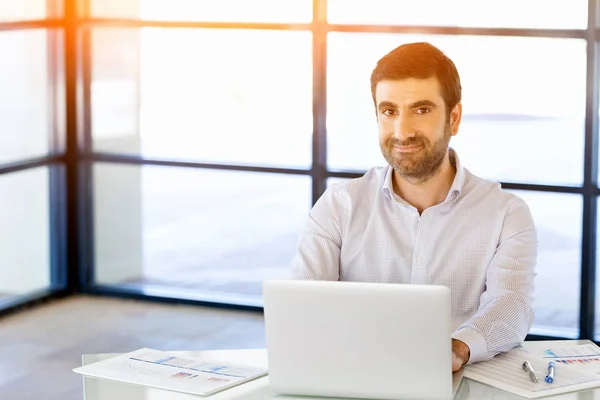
x: 419, y: 60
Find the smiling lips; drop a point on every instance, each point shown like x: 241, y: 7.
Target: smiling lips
x: 408, y: 149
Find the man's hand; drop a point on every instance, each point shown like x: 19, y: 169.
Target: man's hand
x: 460, y: 354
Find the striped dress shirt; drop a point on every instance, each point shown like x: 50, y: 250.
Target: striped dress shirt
x: 480, y: 242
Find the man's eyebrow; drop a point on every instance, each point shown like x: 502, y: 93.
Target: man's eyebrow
x: 387, y: 104
x: 421, y: 103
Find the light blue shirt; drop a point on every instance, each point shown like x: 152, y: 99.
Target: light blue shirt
x: 480, y: 242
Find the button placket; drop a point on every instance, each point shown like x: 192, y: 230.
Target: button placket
x: 416, y: 258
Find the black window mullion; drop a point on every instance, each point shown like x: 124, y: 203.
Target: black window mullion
x: 319, y: 147
x: 71, y: 51
x: 588, y: 247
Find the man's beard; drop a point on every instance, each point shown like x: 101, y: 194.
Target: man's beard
x: 421, y: 165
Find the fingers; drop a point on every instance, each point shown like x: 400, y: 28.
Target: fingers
x: 456, y: 362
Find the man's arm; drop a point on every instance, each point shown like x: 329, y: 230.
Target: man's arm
x: 505, y: 312
x: 318, y: 255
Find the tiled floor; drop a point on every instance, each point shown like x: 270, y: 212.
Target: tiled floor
x: 40, y: 347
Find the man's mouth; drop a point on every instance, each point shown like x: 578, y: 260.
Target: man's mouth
x: 408, y: 149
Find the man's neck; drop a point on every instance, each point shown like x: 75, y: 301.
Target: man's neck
x: 434, y: 190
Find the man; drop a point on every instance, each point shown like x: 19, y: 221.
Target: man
x: 425, y: 219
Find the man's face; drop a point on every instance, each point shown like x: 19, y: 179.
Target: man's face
x: 414, y: 130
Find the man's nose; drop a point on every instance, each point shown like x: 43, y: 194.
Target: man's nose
x: 403, y: 127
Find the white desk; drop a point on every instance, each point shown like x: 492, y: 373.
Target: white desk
x: 97, y: 389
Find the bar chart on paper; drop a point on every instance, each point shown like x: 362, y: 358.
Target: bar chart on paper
x: 163, y: 370
x: 505, y: 371
x: 581, y: 354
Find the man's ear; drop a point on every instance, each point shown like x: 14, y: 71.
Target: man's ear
x: 455, y: 118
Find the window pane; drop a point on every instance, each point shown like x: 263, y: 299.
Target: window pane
x: 24, y: 108
x: 543, y: 14
x: 558, y: 221
x: 224, y: 96
x: 24, y: 232
x: 515, y: 126
x: 197, y: 230
x: 19, y: 10
x: 207, y: 10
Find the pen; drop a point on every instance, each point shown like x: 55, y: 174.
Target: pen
x: 550, y: 375
x: 529, y: 369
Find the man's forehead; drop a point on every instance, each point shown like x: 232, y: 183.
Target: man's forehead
x: 409, y: 89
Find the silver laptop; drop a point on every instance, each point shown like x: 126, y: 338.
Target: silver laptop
x: 359, y: 340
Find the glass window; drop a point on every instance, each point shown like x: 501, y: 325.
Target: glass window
x: 209, y: 231
x: 541, y: 14
x: 24, y: 109
x: 24, y: 231
x: 516, y: 126
x: 223, y: 96
x: 558, y: 219
x: 597, y: 320
x: 207, y: 10
x: 20, y: 10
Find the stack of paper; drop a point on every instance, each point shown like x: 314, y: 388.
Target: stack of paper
x: 163, y: 370
x: 505, y: 371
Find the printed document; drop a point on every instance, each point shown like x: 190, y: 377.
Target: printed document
x: 163, y: 370
x: 505, y: 371
x: 585, y: 352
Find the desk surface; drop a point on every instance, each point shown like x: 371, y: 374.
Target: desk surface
x: 98, y: 389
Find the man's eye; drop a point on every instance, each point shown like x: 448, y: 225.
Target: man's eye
x: 423, y: 110
x: 388, y: 112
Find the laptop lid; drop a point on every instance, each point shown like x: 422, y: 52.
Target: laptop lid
x: 362, y: 340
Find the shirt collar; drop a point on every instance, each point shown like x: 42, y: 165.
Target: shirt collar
x: 459, y: 179
x: 457, y: 185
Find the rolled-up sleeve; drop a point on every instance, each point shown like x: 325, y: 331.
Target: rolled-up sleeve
x: 505, y: 313
x: 318, y: 255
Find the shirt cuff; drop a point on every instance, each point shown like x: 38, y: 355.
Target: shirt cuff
x: 475, y: 341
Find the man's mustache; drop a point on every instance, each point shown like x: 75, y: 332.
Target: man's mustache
x: 413, y: 141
